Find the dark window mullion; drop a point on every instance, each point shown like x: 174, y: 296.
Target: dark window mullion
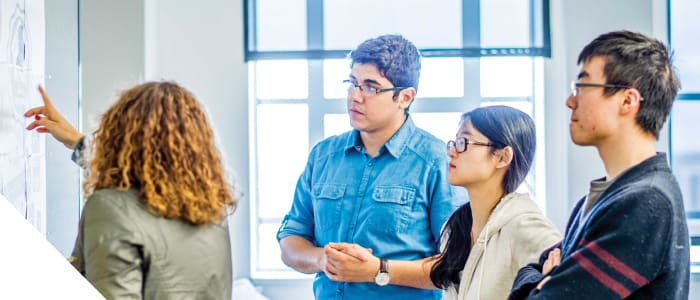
x: 315, y: 41
x: 250, y: 31
x: 471, y: 19
x: 471, y: 37
x: 689, y: 96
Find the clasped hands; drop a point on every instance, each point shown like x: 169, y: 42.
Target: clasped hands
x: 345, y: 262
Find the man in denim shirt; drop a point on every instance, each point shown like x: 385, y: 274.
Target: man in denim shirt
x: 382, y: 186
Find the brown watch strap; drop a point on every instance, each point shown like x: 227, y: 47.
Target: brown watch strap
x: 383, y: 266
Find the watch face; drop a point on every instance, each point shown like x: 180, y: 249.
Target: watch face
x: 382, y: 278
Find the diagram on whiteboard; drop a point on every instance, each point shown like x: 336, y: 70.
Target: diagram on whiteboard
x: 22, y: 158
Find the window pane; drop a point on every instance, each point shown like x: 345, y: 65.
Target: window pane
x: 422, y: 22
x: 506, y: 76
x: 334, y: 124
x: 282, y: 149
x: 686, y: 45
x: 334, y: 72
x: 442, y: 125
x: 282, y: 79
x: 269, y: 254
x: 685, y: 156
x: 441, y: 77
x: 281, y: 25
x: 505, y: 23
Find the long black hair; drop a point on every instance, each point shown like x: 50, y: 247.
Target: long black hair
x: 503, y: 126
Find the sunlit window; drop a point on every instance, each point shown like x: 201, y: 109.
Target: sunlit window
x: 506, y: 77
x: 282, y: 79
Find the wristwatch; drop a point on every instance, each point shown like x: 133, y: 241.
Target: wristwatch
x: 382, y: 278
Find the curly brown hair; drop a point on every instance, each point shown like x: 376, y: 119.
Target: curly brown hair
x: 156, y: 139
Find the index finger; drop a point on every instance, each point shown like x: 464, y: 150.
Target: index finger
x: 45, y: 97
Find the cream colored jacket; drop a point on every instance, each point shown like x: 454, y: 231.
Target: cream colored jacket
x: 514, y: 236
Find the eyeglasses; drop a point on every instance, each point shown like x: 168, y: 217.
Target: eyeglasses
x: 368, y: 90
x: 576, y: 87
x: 460, y: 144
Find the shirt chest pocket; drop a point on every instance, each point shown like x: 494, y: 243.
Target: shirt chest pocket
x: 391, y: 208
x: 393, y: 194
x: 327, y: 204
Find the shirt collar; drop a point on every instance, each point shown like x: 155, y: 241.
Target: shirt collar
x: 395, y: 145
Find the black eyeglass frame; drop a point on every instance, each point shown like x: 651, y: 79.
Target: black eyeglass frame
x: 352, y: 86
x: 576, y: 85
x: 453, y: 144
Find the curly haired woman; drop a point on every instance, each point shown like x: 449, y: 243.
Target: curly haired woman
x: 154, y: 224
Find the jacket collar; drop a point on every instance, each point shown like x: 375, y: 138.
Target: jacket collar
x: 631, y: 175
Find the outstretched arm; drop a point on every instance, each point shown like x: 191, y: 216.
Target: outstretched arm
x: 48, y: 119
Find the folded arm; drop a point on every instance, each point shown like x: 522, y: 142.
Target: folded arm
x: 620, y: 253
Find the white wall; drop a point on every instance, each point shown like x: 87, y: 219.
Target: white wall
x: 111, y: 54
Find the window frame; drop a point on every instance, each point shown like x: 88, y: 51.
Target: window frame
x: 470, y: 35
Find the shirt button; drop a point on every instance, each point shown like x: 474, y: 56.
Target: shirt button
x: 370, y: 164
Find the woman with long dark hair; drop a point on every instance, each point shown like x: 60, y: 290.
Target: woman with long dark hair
x: 486, y: 241
x: 498, y: 231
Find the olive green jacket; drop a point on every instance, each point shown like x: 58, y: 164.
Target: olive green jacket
x: 128, y: 253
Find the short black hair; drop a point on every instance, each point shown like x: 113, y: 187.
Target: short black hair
x: 642, y: 62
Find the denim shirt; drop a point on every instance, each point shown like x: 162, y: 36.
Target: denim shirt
x: 394, y: 203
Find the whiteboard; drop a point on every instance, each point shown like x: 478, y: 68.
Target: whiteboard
x: 22, y: 154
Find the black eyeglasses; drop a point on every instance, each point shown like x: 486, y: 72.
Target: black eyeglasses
x: 368, y: 90
x: 460, y: 145
x: 576, y: 87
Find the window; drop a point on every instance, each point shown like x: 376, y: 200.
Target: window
x: 318, y: 29
x: 685, y: 149
x: 297, y: 96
